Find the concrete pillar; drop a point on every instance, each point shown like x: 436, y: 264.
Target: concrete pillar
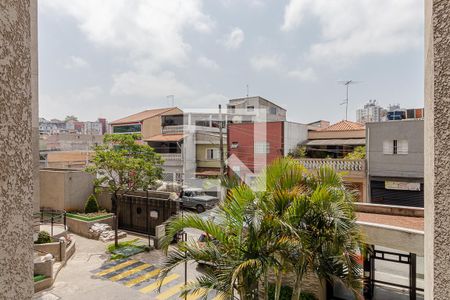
x: 437, y: 146
x: 17, y: 24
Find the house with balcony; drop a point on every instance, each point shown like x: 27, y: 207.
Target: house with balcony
x: 169, y: 145
x: 329, y: 145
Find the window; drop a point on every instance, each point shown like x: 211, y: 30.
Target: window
x: 231, y: 108
x: 234, y: 145
x: 250, y: 108
x: 395, y: 147
x: 262, y: 148
x: 212, y: 154
x: 127, y: 128
x: 273, y: 110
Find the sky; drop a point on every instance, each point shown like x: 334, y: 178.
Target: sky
x: 113, y: 58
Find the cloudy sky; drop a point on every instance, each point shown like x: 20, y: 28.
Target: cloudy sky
x: 111, y: 58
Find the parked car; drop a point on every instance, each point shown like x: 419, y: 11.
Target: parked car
x: 196, y: 198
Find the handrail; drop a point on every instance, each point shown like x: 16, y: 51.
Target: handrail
x: 337, y: 164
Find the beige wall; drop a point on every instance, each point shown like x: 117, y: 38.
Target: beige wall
x: 65, y: 189
x: 437, y: 146
x: 351, y: 134
x: 202, y: 162
x: 152, y: 126
x: 18, y: 102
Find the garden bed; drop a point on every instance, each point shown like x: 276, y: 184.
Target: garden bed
x: 89, y: 217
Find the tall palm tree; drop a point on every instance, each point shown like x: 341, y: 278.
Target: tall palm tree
x: 296, y: 221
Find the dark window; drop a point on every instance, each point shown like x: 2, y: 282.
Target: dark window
x: 273, y: 110
x: 202, y: 123
x: 172, y: 120
x: 127, y: 128
x: 250, y: 108
x: 394, y: 146
x: 231, y: 108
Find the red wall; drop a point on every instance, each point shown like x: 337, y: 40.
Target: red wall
x: 246, y: 135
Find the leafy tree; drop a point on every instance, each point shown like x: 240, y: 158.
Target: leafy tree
x: 124, y: 165
x: 71, y: 118
x: 91, y: 205
x: 358, y: 153
x: 300, y: 222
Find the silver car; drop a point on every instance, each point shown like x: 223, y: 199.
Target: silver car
x: 196, y: 198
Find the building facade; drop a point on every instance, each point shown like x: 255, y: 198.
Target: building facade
x: 395, y: 158
x: 252, y: 146
x: 256, y: 105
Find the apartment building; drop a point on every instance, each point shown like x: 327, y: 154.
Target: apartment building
x: 395, y: 156
x: 371, y: 112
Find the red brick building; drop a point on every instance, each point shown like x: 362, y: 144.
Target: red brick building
x: 252, y: 146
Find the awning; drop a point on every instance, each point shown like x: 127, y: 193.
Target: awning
x: 165, y: 138
x: 336, y: 142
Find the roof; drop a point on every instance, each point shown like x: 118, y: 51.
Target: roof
x: 165, y: 138
x: 139, y: 117
x: 344, y: 125
x: 335, y: 142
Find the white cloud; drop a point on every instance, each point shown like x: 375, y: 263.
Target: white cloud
x: 147, y: 85
x: 265, y: 62
x: 207, y: 63
x: 354, y: 28
x: 145, y: 30
x: 75, y: 62
x: 307, y: 74
x: 234, y: 39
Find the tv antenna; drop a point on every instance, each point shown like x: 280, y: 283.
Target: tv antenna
x: 171, y: 98
x: 347, y: 84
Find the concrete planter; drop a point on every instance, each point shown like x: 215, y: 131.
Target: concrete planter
x: 81, y: 227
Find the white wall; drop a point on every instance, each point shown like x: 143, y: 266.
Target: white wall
x: 294, y: 134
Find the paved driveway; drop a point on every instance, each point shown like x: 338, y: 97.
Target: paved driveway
x: 89, y: 275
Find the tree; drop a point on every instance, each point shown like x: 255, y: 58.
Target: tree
x: 124, y: 165
x: 70, y: 118
x: 298, y: 152
x: 358, y: 153
x: 91, y: 205
x: 301, y: 222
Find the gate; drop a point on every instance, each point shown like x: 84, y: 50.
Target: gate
x: 142, y: 213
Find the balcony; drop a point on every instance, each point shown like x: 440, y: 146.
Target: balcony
x: 352, y: 167
x: 171, y: 156
x: 177, y: 129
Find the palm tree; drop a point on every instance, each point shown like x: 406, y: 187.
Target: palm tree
x: 297, y: 221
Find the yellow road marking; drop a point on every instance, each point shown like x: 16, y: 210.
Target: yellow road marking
x: 151, y: 287
x: 129, y: 272
x: 195, y: 296
x: 118, y: 267
x: 141, y: 278
x: 170, y: 292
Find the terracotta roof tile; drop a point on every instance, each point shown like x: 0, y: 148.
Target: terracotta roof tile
x: 344, y: 126
x: 139, y: 117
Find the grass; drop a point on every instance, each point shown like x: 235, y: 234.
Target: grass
x: 125, y: 249
x: 38, y: 277
x: 88, y: 217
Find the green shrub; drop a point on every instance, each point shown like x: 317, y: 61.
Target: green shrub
x: 43, y: 238
x: 91, y: 205
x: 286, y: 293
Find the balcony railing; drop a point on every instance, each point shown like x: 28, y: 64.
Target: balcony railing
x: 173, y: 129
x: 176, y: 129
x: 171, y: 156
x: 351, y: 165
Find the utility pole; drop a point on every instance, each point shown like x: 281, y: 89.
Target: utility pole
x: 222, y: 161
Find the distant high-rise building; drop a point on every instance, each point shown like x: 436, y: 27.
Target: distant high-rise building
x: 104, y: 124
x: 370, y: 113
x: 395, y: 112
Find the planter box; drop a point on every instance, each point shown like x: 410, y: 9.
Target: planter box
x: 81, y: 225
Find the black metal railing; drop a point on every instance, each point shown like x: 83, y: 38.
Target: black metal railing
x: 51, y: 217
